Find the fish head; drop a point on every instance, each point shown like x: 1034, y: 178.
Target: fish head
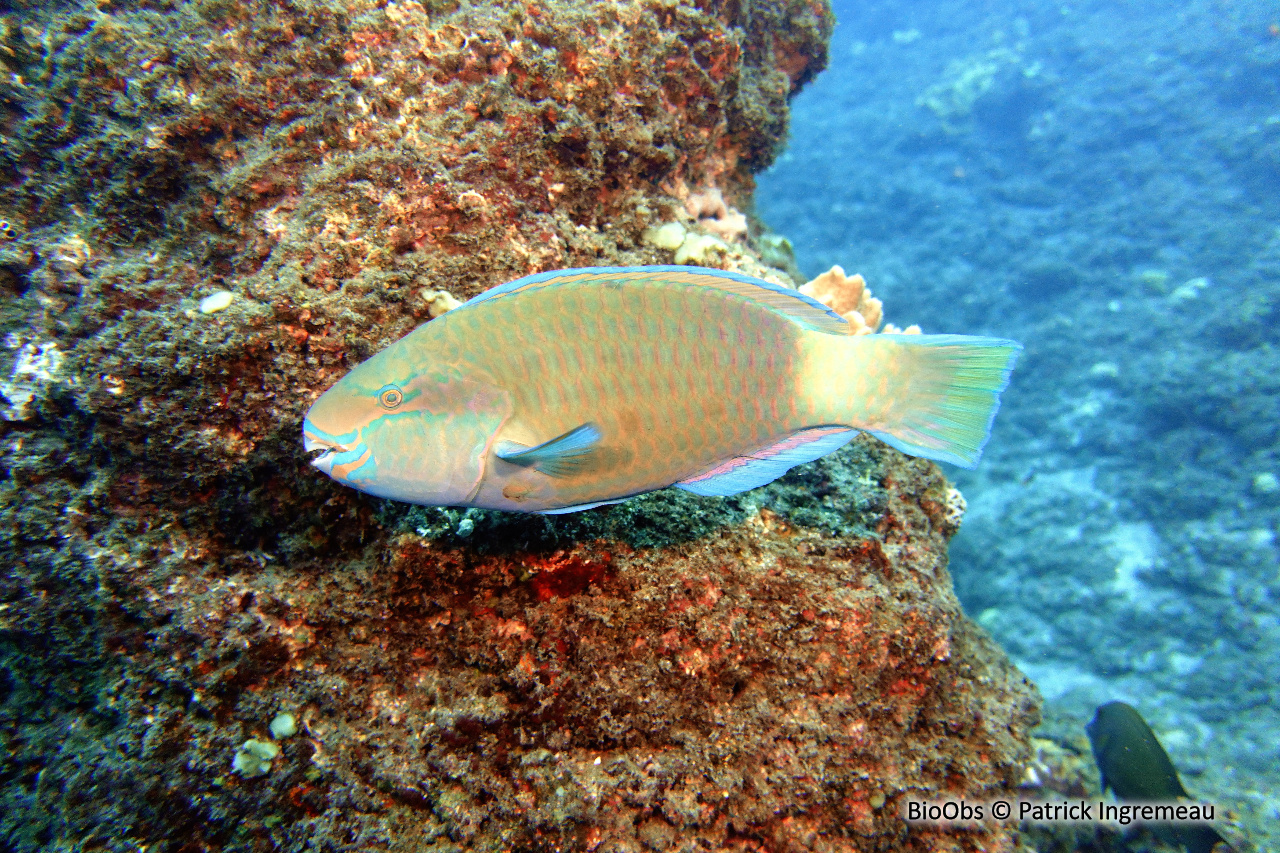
x: 411, y: 424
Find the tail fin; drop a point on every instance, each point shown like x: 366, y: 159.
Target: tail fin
x: 944, y: 393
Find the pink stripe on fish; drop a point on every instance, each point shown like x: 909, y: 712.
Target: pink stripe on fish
x: 789, y: 443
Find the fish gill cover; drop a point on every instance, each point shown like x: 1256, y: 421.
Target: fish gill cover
x: 211, y: 211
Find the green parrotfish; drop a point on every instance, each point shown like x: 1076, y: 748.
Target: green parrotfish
x: 573, y: 388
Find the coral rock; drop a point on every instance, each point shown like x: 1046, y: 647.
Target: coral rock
x: 709, y: 209
x: 849, y: 297
x: 774, y: 671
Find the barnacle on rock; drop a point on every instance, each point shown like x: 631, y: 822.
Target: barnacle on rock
x: 71, y: 253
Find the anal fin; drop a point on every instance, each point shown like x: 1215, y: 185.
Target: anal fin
x: 563, y: 510
x: 741, y: 473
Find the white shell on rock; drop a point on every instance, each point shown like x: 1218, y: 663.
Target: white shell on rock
x: 217, y: 301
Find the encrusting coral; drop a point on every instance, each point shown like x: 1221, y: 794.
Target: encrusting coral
x: 708, y: 208
x: 850, y: 297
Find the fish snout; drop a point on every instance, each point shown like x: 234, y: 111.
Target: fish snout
x: 319, y: 454
x: 323, y: 449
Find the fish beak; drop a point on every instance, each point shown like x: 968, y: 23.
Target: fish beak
x: 322, y: 447
x: 321, y: 454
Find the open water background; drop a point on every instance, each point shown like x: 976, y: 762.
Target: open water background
x: 1100, y: 180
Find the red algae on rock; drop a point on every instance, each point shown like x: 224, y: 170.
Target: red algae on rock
x: 757, y: 673
x: 757, y: 688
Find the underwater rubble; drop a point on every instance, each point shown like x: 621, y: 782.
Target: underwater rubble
x: 210, y: 212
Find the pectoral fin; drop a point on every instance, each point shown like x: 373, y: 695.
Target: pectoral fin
x: 559, y: 457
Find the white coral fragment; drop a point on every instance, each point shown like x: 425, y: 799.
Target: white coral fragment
x: 689, y: 247
x: 956, y: 506
x: 1189, y: 290
x: 218, y: 301
x: 668, y: 236
x: 699, y: 248
x: 254, y: 758
x: 38, y: 364
x: 439, y: 302
x: 284, y: 725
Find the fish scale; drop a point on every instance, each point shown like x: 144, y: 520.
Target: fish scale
x: 637, y: 375
x: 577, y: 387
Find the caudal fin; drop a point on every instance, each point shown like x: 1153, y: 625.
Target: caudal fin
x: 945, y: 392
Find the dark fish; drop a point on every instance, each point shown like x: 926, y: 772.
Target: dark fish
x: 1135, y: 767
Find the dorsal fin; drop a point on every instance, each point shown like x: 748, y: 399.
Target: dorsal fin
x: 805, y: 310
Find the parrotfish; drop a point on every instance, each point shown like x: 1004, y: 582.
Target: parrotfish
x: 1135, y: 767
x: 569, y: 389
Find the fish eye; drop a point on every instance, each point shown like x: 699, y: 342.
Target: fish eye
x: 390, y: 396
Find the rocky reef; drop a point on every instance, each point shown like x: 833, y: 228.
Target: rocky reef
x: 211, y: 211
x: 997, y: 168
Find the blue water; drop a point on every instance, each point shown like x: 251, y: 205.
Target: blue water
x: 1102, y: 182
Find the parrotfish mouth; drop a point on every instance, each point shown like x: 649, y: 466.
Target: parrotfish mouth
x: 325, y: 450
x: 318, y: 453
